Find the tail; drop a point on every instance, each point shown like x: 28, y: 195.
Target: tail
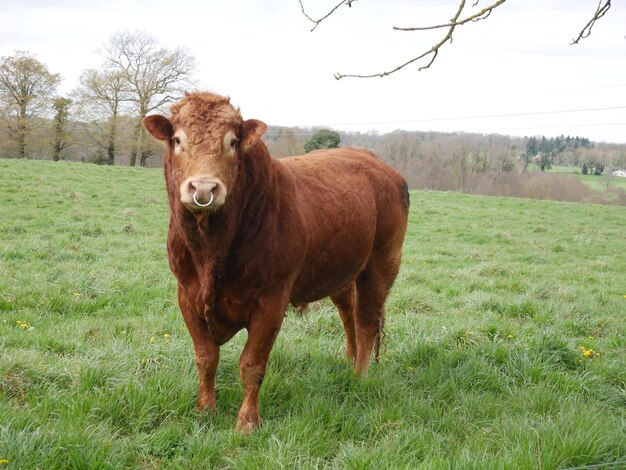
x: 406, y: 198
x: 380, y: 336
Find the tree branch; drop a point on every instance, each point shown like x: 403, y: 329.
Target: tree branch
x: 600, y: 12
x: 318, y: 21
x: 454, y: 22
x: 432, y: 53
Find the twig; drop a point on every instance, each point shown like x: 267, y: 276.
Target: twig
x: 481, y: 15
x: 318, y: 21
x: 600, y: 12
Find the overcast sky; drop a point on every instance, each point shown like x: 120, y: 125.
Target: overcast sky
x: 518, y: 65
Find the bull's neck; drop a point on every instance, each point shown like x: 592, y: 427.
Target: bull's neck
x: 258, y: 189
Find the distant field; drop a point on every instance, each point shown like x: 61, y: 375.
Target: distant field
x: 505, y: 340
x: 598, y: 183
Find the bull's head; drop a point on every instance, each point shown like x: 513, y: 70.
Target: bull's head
x: 203, y: 140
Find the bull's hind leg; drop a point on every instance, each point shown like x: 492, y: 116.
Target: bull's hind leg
x: 345, y: 301
x: 373, y: 285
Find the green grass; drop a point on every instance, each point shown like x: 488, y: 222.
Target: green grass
x: 595, y: 182
x: 481, y: 366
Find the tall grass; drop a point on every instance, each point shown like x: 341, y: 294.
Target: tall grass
x: 482, y: 365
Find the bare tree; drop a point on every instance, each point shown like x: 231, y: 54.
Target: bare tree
x: 154, y: 76
x: 458, y: 19
x: 26, y: 90
x: 100, y: 97
x: 285, y: 145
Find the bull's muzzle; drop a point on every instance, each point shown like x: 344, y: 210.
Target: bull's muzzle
x: 202, y: 192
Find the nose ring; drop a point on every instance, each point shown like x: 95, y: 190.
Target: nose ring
x: 206, y: 204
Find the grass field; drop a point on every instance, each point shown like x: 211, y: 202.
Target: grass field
x: 595, y: 182
x: 505, y: 341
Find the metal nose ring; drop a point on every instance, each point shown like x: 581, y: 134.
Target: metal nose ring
x: 198, y: 203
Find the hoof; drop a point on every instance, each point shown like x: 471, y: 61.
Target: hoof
x: 246, y: 427
x: 205, y: 404
x: 361, y: 370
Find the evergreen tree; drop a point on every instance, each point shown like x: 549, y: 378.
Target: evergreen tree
x: 324, y: 139
x: 532, y: 148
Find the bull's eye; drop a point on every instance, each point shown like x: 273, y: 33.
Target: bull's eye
x: 180, y: 142
x: 229, y: 144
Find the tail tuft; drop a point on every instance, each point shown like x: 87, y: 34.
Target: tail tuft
x: 406, y: 199
x: 380, y: 338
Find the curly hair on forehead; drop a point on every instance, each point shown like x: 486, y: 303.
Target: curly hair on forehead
x: 204, y: 115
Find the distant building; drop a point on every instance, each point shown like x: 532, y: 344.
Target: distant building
x: 620, y: 173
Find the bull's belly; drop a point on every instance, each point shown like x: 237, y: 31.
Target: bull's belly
x: 328, y: 273
x: 311, y: 292
x: 338, y: 249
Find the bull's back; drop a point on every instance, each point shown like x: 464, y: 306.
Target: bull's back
x: 338, y: 179
x: 350, y: 203
x: 336, y: 168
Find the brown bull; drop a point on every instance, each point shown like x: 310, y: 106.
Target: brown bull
x: 249, y: 234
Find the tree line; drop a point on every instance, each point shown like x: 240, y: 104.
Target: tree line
x: 479, y: 164
x: 545, y: 150
x: 103, y: 113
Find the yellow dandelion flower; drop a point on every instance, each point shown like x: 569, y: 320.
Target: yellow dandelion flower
x: 582, y: 348
x: 509, y: 336
x: 3, y: 461
x: 166, y: 335
x: 588, y: 353
x: 597, y: 354
x: 590, y: 337
x: 152, y: 339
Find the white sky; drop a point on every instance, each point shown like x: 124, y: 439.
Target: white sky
x: 263, y: 55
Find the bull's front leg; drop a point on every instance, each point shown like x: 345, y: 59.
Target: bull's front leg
x: 264, y: 326
x: 207, y: 353
x: 207, y: 358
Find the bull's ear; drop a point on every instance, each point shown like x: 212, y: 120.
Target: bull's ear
x: 159, y: 126
x: 251, y: 130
